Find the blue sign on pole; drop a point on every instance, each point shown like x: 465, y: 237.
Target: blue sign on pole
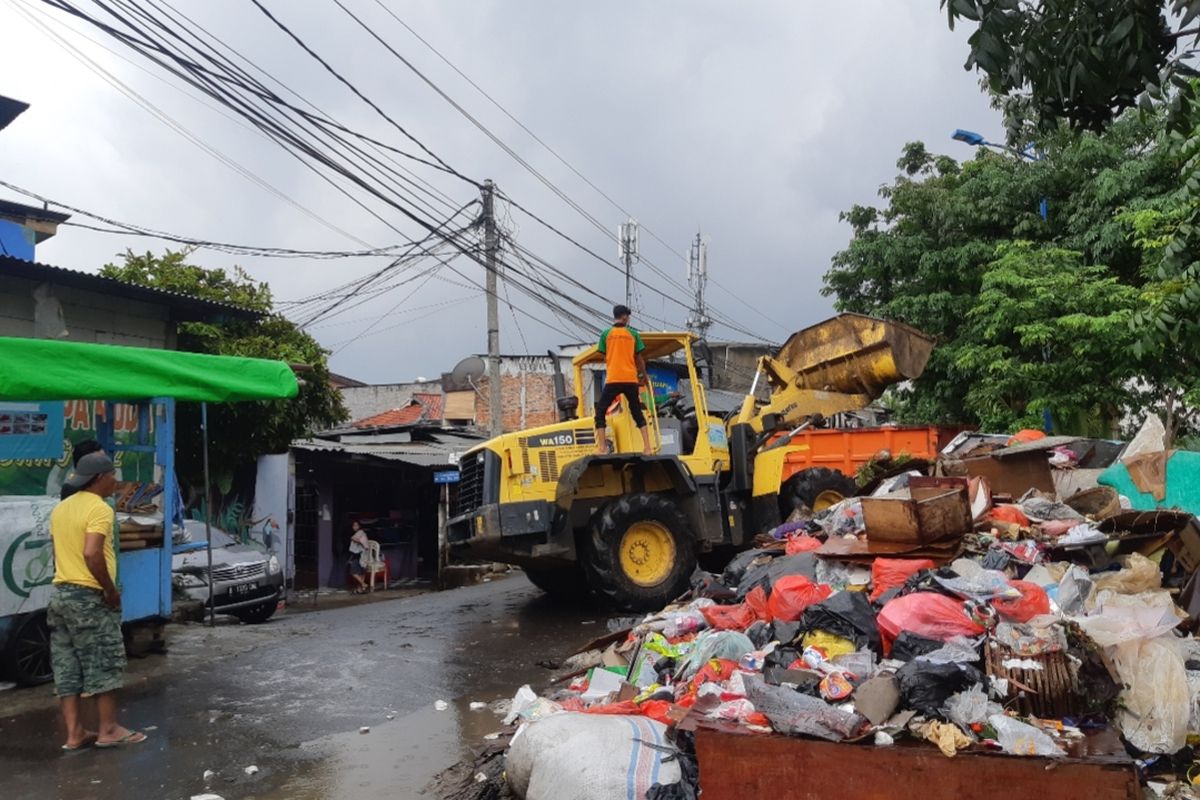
x: 449, y: 476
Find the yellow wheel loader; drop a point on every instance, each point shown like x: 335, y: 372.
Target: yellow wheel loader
x: 629, y: 527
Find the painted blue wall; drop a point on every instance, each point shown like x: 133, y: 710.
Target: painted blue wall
x: 16, y: 240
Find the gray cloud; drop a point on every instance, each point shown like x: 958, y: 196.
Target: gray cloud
x: 755, y: 122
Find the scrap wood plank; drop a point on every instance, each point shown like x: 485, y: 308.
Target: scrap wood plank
x: 737, y: 766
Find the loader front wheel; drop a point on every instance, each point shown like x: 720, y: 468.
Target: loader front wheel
x: 640, y: 553
x: 817, y: 488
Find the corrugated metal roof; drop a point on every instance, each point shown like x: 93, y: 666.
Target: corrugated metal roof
x: 185, y: 307
x: 438, y: 450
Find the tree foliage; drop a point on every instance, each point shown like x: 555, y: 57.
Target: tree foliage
x: 239, y: 432
x: 960, y: 251
x: 1080, y: 64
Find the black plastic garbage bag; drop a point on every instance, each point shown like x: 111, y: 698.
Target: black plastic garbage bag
x: 925, y: 686
x: 909, y: 645
x: 784, y: 632
x: 760, y: 634
x: 705, y: 584
x: 735, y: 570
x: 688, y: 787
x: 847, y: 614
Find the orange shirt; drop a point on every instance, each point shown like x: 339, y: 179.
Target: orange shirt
x: 620, y: 344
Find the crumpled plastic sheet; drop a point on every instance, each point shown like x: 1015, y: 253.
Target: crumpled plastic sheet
x: 958, y: 650
x: 1020, y: 739
x: 840, y: 574
x: 730, y: 645
x: 1156, y: 704
x: 1074, y: 590
x: 1139, y: 575
x: 1082, y: 534
x: 527, y: 706
x: 982, y: 585
x: 794, y: 713
x: 1042, y: 510
x: 842, y: 519
x: 970, y: 707
x: 1030, y: 638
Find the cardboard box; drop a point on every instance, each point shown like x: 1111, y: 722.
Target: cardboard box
x: 917, y: 516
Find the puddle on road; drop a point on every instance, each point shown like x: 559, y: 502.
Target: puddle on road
x: 401, y: 756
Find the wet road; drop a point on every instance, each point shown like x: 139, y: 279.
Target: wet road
x: 289, y: 697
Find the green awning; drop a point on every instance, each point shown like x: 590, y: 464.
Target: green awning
x: 44, y: 369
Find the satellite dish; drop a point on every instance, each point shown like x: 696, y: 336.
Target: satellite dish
x: 468, y: 371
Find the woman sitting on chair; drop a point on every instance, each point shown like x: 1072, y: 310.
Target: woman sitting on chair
x: 358, y: 546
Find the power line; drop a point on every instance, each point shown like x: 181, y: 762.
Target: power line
x: 552, y: 152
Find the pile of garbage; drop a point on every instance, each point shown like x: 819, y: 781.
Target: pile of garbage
x: 1030, y: 629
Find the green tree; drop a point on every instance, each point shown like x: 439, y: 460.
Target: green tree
x: 239, y: 432
x: 1047, y: 333
x: 922, y: 255
x: 1080, y: 64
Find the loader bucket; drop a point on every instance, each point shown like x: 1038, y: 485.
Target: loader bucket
x: 856, y: 354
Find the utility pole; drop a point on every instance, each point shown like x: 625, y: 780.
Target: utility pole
x: 627, y: 252
x: 698, y: 322
x: 491, y: 243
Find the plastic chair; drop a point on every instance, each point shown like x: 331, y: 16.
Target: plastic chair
x: 374, y: 563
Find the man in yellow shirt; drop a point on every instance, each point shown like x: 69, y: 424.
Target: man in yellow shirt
x: 87, y: 651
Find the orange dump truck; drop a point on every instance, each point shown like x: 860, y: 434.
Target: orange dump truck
x: 824, y: 473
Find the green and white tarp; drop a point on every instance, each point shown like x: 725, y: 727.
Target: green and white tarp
x: 44, y: 369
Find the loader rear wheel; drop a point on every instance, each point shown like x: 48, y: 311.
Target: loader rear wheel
x: 817, y: 488
x: 567, y: 583
x: 640, y: 553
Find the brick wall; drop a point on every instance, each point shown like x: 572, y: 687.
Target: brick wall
x: 527, y: 400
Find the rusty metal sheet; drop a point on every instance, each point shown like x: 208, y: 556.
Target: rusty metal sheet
x: 736, y: 767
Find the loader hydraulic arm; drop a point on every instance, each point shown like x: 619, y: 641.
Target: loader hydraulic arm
x: 790, y: 403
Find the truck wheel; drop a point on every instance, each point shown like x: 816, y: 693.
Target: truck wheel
x: 256, y: 615
x: 565, y: 582
x: 640, y: 554
x: 817, y: 488
x: 26, y: 659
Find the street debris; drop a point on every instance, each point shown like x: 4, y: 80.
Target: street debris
x: 943, y: 611
x: 209, y: 775
x: 364, y: 729
x: 440, y: 705
x: 478, y: 706
x: 251, y: 770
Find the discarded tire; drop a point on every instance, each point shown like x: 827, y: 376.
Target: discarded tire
x: 817, y: 488
x: 640, y: 553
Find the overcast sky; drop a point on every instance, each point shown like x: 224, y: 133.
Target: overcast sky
x: 754, y: 123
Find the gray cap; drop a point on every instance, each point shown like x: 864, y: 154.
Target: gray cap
x: 89, y: 467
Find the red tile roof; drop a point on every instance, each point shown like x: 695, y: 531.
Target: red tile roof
x: 433, y: 404
x: 422, y: 408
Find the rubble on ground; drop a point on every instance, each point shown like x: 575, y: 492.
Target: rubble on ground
x: 936, y: 610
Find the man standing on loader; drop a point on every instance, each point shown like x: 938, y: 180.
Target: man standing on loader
x: 625, y: 373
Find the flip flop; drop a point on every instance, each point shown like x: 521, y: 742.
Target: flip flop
x: 87, y: 742
x: 130, y: 738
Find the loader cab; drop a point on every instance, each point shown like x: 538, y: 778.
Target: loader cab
x: 680, y: 422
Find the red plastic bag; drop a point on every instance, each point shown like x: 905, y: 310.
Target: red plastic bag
x: 757, y: 600
x: 1013, y: 514
x: 888, y: 573
x: 1032, y: 602
x: 729, y: 618
x: 792, y: 594
x: 802, y: 543
x: 927, y: 614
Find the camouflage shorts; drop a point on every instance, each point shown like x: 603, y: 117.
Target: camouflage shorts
x: 87, y: 650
